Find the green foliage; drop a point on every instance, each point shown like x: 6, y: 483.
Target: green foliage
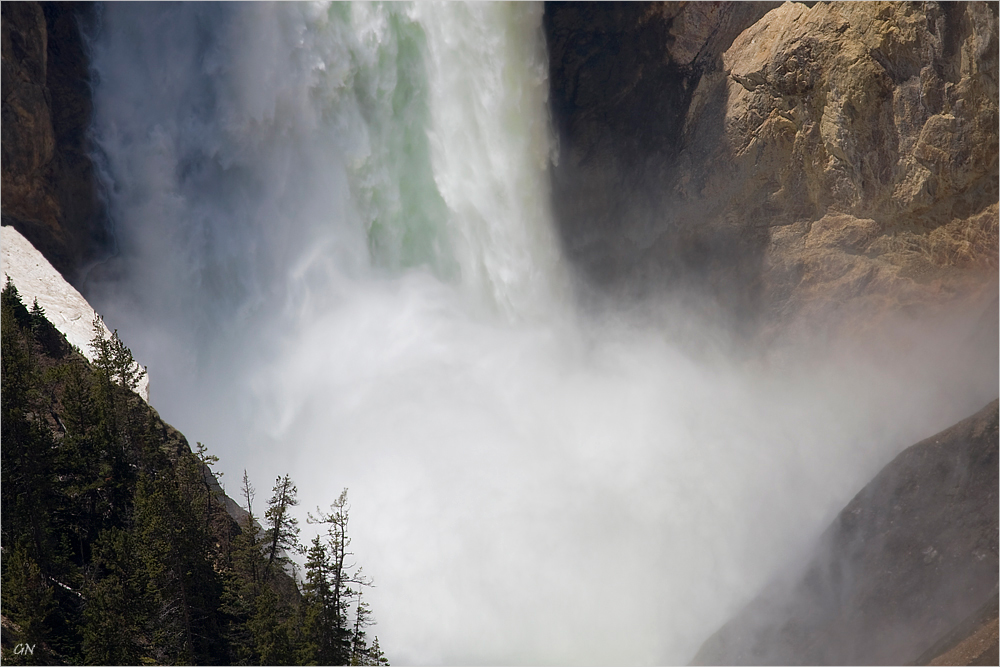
x: 359, y: 643
x: 323, y: 642
x: 113, y: 358
x: 332, y: 582
x: 117, y: 547
x: 29, y: 599
x: 282, y: 534
x: 375, y: 654
x: 115, y: 593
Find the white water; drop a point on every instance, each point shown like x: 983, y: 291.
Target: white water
x: 338, y: 260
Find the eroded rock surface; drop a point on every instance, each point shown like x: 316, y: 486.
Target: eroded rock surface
x: 788, y: 160
x: 48, y: 186
x: 911, y: 557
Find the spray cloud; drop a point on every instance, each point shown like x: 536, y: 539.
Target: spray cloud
x: 337, y: 260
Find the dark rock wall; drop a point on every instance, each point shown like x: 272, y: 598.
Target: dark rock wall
x: 911, y: 557
x: 48, y: 190
x: 622, y: 79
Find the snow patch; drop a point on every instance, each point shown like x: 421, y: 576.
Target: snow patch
x: 65, y: 307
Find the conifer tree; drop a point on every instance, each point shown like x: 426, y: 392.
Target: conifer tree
x: 27, y: 456
x: 183, y: 585
x: 271, y: 627
x: 321, y: 635
x: 205, y: 474
x: 117, y: 426
x: 115, y: 595
x: 114, y: 548
x: 282, y: 534
x: 342, y: 575
x: 244, y: 583
x: 359, y: 643
x: 28, y: 602
x: 375, y: 654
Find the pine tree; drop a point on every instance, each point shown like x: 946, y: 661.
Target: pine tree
x: 205, y: 474
x: 243, y: 583
x: 282, y: 534
x: 271, y: 629
x: 184, y: 589
x: 115, y: 610
x: 27, y: 456
x: 359, y: 644
x: 80, y: 461
x: 375, y: 654
x: 342, y: 575
x: 37, y: 314
x: 321, y: 635
x: 117, y: 426
x: 28, y: 602
x: 115, y: 548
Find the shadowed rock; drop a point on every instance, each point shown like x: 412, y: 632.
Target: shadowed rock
x: 48, y: 185
x: 911, y: 557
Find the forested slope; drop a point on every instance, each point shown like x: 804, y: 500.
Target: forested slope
x: 117, y: 546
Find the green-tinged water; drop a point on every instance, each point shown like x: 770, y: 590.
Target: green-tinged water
x: 393, y: 183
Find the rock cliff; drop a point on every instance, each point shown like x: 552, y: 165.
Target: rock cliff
x: 912, y: 557
x: 788, y: 160
x: 48, y: 186
x: 797, y: 167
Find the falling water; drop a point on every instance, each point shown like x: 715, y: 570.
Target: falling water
x: 337, y: 259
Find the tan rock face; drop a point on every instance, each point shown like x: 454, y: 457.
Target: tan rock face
x: 48, y: 188
x: 865, y: 134
x: 843, y: 154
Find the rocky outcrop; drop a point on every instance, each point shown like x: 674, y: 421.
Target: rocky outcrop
x: 48, y: 186
x: 912, y: 559
x: 788, y: 160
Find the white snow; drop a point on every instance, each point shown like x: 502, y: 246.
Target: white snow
x: 66, y: 308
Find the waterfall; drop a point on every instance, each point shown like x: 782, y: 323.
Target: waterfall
x: 337, y: 259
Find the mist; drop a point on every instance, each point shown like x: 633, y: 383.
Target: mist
x: 336, y: 256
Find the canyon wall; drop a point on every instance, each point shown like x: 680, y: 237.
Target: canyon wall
x: 911, y: 557
x: 780, y: 163
x: 787, y: 160
x: 48, y: 190
x: 795, y: 169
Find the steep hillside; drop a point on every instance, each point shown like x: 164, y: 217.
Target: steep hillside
x: 119, y: 546
x: 64, y: 306
x: 907, y: 571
